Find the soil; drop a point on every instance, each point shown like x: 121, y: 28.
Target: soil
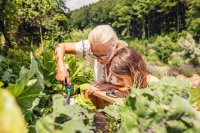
x: 101, y: 123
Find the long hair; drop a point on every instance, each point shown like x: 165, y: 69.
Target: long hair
x: 127, y: 61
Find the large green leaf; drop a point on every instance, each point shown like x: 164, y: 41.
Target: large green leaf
x: 161, y: 108
x: 63, y: 118
x: 81, y: 100
x: 28, y: 86
x: 1, y: 84
x: 74, y: 111
x: 70, y: 127
x: 195, y: 98
x: 166, y: 88
x: 11, y: 118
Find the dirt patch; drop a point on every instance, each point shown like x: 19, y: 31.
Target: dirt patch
x: 101, y: 123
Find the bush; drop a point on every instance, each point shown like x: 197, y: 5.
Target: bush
x: 156, y: 70
x: 145, y: 48
x: 152, y: 57
x: 197, y: 70
x: 12, y: 63
x: 164, y: 48
x: 139, y: 45
x: 176, y: 60
x: 162, y: 108
x: 187, y: 70
x: 4, y: 50
x: 190, y: 50
x: 78, y: 35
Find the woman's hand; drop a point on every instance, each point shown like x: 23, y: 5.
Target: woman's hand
x: 62, y: 75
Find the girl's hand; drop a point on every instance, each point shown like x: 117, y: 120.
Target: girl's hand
x: 91, y: 89
x: 104, y: 87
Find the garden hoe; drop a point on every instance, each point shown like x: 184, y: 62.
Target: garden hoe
x: 68, y: 99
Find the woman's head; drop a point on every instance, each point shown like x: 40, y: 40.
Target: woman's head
x: 129, y: 68
x: 103, y: 40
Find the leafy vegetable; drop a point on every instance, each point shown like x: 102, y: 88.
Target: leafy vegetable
x: 161, y: 108
x: 11, y: 117
x: 28, y: 86
x: 81, y: 100
x: 63, y: 117
x: 195, y: 98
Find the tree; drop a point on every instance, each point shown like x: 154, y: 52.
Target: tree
x: 193, y: 18
x: 121, y: 16
x: 9, y: 20
x: 47, y: 15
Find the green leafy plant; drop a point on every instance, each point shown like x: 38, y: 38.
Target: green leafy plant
x: 47, y: 66
x: 81, y: 100
x: 197, y: 70
x: 114, y: 117
x: 195, y: 97
x: 162, y: 107
x: 12, y: 63
x: 190, y: 50
x: 159, y: 109
x: 187, y: 70
x: 63, y: 118
x: 176, y: 60
x: 164, y: 48
x: 27, y: 87
x: 11, y: 117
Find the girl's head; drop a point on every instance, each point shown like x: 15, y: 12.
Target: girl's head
x: 103, y: 41
x: 129, y: 68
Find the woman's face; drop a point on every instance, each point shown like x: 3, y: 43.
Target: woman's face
x: 103, y: 54
x: 124, y: 80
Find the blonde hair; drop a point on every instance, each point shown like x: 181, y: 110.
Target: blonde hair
x: 102, y: 35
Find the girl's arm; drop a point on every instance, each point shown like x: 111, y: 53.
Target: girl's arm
x: 105, y: 86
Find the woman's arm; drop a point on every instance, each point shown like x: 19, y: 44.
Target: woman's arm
x: 61, y: 73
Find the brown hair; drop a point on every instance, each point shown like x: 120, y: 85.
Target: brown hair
x: 128, y: 61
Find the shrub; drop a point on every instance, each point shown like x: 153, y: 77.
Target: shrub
x: 139, y: 45
x: 176, y: 60
x: 153, y: 58
x: 160, y: 109
x: 187, y: 70
x: 190, y: 50
x: 78, y: 35
x: 197, y: 70
x: 164, y: 48
x: 158, y: 71
x: 12, y: 63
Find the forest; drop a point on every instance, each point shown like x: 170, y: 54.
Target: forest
x: 165, y: 32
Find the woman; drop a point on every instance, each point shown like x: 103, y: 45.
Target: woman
x: 100, y: 47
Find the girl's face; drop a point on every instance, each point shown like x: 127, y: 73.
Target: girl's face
x: 124, y: 80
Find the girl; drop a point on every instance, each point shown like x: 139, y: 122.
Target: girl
x: 129, y: 68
